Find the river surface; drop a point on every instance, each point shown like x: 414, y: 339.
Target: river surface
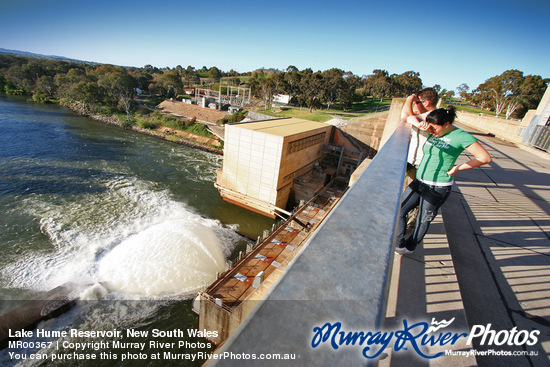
x: 134, y: 221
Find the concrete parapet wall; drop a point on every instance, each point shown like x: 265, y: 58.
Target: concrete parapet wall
x: 367, y: 129
x: 393, y: 120
x: 505, y: 129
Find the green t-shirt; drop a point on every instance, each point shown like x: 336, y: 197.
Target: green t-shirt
x: 440, y: 155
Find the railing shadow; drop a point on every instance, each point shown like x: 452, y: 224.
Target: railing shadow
x: 424, y: 287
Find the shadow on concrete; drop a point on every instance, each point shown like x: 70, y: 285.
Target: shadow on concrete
x: 425, y: 288
x: 486, y: 293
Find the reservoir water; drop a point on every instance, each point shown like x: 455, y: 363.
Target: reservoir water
x: 134, y: 220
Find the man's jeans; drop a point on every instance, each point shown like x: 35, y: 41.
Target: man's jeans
x: 429, y: 199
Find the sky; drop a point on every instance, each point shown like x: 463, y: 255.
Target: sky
x: 448, y: 43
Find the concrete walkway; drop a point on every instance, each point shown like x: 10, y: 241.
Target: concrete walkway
x: 485, y: 260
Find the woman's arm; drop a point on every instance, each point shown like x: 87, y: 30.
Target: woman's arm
x: 418, y: 121
x: 481, y: 158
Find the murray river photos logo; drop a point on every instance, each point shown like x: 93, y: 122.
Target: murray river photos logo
x: 416, y: 336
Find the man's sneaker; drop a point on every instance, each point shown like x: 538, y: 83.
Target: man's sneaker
x: 403, y: 251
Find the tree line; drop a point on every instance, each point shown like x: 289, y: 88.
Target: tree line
x: 94, y: 86
x: 103, y: 86
x: 320, y: 89
x: 115, y: 87
x: 510, y: 92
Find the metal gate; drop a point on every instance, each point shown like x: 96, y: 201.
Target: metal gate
x: 541, y: 137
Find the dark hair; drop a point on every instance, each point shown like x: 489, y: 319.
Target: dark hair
x: 442, y: 115
x: 428, y: 94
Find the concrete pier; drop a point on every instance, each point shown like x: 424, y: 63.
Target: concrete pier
x: 26, y: 316
x: 497, y: 221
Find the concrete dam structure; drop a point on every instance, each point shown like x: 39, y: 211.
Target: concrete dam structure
x: 268, y: 166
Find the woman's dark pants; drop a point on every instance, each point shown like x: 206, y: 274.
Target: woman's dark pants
x: 429, y: 199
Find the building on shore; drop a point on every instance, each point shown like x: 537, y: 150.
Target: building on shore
x: 272, y: 163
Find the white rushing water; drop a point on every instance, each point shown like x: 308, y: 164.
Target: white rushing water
x: 175, y: 256
x: 132, y: 239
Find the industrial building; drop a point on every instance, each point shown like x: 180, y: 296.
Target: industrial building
x: 269, y: 163
x: 537, y: 133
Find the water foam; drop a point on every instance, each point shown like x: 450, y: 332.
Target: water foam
x: 136, y: 239
x: 175, y: 256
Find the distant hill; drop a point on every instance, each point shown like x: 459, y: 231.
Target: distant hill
x: 53, y: 57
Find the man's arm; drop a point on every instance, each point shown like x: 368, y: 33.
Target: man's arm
x: 408, y: 107
x: 408, y: 114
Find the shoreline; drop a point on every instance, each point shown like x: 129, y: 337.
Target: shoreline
x: 114, y: 121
